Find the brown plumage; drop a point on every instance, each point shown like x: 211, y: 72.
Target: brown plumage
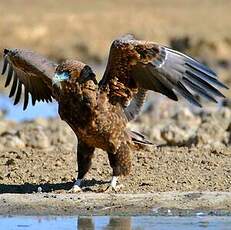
x: 99, y: 113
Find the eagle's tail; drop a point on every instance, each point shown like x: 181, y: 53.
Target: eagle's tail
x: 139, y: 138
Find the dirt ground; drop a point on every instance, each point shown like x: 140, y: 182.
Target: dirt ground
x: 191, y: 153
x: 157, y: 170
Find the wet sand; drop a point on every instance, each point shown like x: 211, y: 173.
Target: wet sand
x: 167, y: 203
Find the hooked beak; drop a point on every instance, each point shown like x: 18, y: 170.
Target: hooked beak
x: 56, y: 80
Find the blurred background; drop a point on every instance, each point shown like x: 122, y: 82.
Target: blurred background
x: 84, y: 30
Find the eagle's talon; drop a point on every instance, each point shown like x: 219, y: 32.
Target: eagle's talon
x: 76, y: 187
x: 115, y: 189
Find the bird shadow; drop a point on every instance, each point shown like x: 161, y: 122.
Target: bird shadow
x: 92, y: 185
x: 47, y: 187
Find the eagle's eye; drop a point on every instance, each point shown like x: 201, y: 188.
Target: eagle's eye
x: 87, y: 74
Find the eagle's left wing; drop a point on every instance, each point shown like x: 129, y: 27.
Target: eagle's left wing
x: 135, y: 64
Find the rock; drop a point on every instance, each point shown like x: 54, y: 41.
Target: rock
x: 5, y: 126
x: 155, y: 134
x: 185, y: 117
x: 223, y: 116
x: 64, y: 136
x: 12, y: 140
x: 41, y: 122
x: 177, y: 136
x: 34, y: 136
x: 213, y: 130
x: 39, y: 189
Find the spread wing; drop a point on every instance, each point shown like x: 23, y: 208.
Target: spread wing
x: 30, y: 71
x: 153, y: 67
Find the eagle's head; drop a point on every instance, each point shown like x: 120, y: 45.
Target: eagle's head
x: 72, y: 75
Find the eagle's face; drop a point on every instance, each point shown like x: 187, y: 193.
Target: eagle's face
x: 71, y: 75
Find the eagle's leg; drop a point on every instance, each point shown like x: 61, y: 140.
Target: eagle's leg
x: 120, y: 163
x: 84, y: 157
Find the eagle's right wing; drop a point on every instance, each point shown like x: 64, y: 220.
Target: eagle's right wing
x: 30, y: 70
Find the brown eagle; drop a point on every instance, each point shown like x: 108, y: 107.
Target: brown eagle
x: 99, y: 112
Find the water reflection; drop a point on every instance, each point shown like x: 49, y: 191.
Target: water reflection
x: 113, y: 222
x: 85, y: 223
x: 120, y: 223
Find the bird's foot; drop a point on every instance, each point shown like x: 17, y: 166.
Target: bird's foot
x: 110, y: 189
x: 76, y: 188
x: 113, y: 186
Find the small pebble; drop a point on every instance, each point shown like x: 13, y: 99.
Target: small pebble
x: 39, y: 190
x: 200, y: 214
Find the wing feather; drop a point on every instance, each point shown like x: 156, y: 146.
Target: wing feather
x: 186, y: 94
x: 198, y: 89
x: 203, y: 83
x: 135, y: 105
x: 30, y: 70
x: 4, y: 65
x: 209, y: 78
x: 9, y: 75
x: 14, y: 86
x: 26, y: 99
x: 18, y: 94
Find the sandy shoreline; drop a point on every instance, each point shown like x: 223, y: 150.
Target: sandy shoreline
x: 166, y: 203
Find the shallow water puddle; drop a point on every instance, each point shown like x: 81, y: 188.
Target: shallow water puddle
x: 112, y: 222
